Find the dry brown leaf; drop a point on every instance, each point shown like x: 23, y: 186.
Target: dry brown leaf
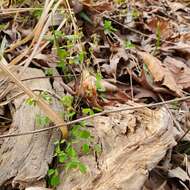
x: 97, y: 7
x: 145, y: 93
x: 180, y: 72
x: 115, y: 59
x: 160, y: 25
x: 180, y: 47
x: 161, y: 75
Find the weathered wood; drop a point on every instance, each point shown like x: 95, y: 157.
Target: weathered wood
x: 133, y: 142
x: 24, y: 159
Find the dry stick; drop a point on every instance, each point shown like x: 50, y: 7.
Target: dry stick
x: 95, y: 115
x: 54, y: 117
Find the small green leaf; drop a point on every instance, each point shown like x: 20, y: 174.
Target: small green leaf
x: 62, y: 157
x: 30, y: 101
x: 49, y: 72
x: 99, y: 86
x: 129, y: 44
x: 84, y: 134
x: 51, y: 172
x: 67, y: 100
x: 58, y: 149
x: 108, y: 28
x: 56, y: 142
x: 87, y: 111
x: 71, y: 151
x: 72, y: 38
x: 85, y: 148
x: 37, y: 13
x: 71, y: 114
x: 71, y: 165
x: 62, y: 53
x: 45, y: 95
x: 97, y: 109
x: 42, y: 120
x: 54, y: 180
x: 58, y: 34
x: 75, y: 130
x: 82, y: 167
x: 135, y: 13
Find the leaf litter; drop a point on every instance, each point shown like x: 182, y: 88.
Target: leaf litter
x: 105, y: 54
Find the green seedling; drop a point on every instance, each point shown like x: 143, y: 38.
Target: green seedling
x: 108, y: 28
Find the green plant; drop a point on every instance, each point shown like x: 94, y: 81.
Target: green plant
x: 53, y: 175
x: 37, y: 13
x: 67, y: 153
x: 30, y: 101
x: 128, y: 44
x: 45, y: 95
x: 99, y: 86
x: 42, y: 120
x: 67, y: 102
x: 49, y: 72
x: 87, y: 111
x: 135, y: 13
x: 108, y: 28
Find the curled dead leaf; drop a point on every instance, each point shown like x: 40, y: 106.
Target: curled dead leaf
x: 160, y: 73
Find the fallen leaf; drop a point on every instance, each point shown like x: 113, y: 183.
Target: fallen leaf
x: 97, y: 7
x: 161, y: 74
x: 118, y: 55
x: 180, y: 72
x: 161, y: 26
x: 179, y: 173
x: 145, y: 93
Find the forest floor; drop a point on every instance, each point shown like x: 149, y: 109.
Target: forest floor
x: 95, y: 94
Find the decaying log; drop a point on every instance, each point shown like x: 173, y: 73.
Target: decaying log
x: 24, y: 159
x: 133, y: 142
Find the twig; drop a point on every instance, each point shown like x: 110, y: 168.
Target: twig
x: 95, y: 115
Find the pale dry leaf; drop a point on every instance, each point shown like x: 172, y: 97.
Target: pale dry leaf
x: 179, y: 173
x: 160, y: 73
x: 180, y: 72
x: 180, y: 47
x: 175, y: 6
